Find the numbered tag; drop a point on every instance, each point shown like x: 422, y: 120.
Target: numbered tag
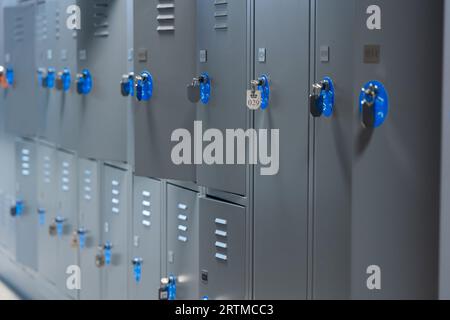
x: 254, y: 99
x: 193, y: 93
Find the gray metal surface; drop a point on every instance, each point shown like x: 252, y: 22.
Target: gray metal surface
x: 103, y: 128
x: 116, y: 206
x: 22, y: 112
x: 395, y: 180
x: 280, y: 201
x: 222, y: 250
x: 332, y: 151
x: 89, y: 219
x: 170, y: 60
x: 222, y: 30
x: 67, y: 208
x: 146, y: 238
x: 47, y: 186
x: 182, y: 241
x: 26, y: 191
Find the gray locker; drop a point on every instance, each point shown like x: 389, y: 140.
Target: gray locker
x: 89, y: 227
x: 22, y: 112
x: 224, y: 54
x: 26, y: 207
x: 223, y: 257
x: 333, y: 146
x: 395, y: 177
x: 166, y: 48
x: 44, y: 73
x: 7, y: 193
x: 47, y: 201
x: 116, y: 208
x: 66, y: 219
x: 281, y: 200
x: 182, y: 241
x: 57, y: 50
x: 103, y: 50
x: 145, y: 271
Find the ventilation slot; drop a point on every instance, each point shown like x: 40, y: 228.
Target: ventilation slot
x: 221, y: 14
x: 166, y: 16
x: 19, y: 29
x: 100, y: 19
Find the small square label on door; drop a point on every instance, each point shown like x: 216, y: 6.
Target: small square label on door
x: 82, y: 55
x: 203, y: 56
x: 142, y: 55
x: 372, y: 54
x: 324, y: 54
x: 262, y: 55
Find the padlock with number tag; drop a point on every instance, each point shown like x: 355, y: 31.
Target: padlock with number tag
x: 193, y: 93
x: 52, y: 229
x: 254, y: 99
x: 100, y: 259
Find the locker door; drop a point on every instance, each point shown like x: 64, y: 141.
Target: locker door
x: 166, y: 48
x: 89, y: 227
x: 222, y: 251
x: 46, y: 67
x: 116, y: 206
x: 47, y: 211
x: 395, y: 180
x: 66, y: 219
x: 145, y: 270
x: 22, y: 112
x: 26, y: 207
x: 280, y: 205
x: 182, y: 241
x: 223, y: 54
x: 69, y: 101
x: 102, y: 50
x: 333, y: 143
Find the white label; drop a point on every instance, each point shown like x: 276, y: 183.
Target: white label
x: 253, y: 99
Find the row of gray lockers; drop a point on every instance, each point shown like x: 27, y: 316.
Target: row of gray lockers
x: 353, y: 86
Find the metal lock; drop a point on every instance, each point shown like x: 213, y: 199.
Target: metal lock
x: 74, y: 240
x: 85, y: 82
x: 200, y: 89
x: 321, y: 101
x: 127, y: 85
x: 374, y: 104
x: 63, y: 80
x: 52, y: 229
x: 137, y: 269
x: 100, y: 258
x: 144, y: 86
x: 259, y: 94
x: 42, y: 77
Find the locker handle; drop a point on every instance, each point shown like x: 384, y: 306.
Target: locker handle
x: 321, y: 101
x: 81, y: 232
x: 373, y: 104
x: 137, y: 269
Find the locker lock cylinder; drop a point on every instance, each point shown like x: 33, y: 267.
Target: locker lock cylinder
x: 374, y: 104
x: 127, y: 85
x: 321, y: 101
x: 200, y: 89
